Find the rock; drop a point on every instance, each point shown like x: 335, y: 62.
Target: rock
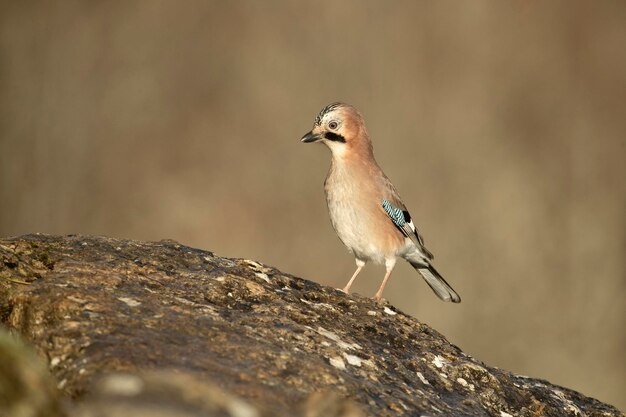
x: 163, y: 393
x: 162, y: 326
x: 26, y: 387
x: 176, y: 394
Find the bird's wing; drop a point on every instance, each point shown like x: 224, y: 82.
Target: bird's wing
x: 399, y: 215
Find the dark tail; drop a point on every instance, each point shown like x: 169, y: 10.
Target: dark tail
x: 437, y: 283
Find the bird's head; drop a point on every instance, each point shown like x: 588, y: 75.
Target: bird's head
x: 340, y: 127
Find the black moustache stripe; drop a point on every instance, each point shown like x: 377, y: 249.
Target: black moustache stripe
x: 334, y: 137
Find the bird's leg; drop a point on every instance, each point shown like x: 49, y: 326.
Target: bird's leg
x: 389, y: 264
x: 359, y: 266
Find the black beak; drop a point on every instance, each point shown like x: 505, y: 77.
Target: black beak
x: 311, y: 137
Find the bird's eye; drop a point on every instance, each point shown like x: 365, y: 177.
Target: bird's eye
x: 333, y: 125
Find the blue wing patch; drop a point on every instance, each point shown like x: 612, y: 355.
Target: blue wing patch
x: 402, y: 220
x: 396, y: 215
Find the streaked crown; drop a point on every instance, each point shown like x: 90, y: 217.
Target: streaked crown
x: 326, y: 110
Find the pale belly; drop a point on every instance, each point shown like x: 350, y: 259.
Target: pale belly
x: 369, y: 235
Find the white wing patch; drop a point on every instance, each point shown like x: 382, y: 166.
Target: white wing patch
x: 420, y: 239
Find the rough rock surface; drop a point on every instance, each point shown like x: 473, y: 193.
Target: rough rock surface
x: 187, y: 333
x: 26, y: 387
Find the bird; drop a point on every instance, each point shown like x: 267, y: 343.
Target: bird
x: 365, y: 208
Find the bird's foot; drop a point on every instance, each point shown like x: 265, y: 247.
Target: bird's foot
x: 379, y: 299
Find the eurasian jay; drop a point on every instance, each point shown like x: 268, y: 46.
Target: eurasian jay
x: 365, y: 208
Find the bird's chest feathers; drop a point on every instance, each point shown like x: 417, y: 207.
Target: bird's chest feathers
x: 354, y: 208
x: 348, y: 197
x: 347, y: 207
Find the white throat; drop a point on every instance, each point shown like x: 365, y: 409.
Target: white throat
x: 337, y: 149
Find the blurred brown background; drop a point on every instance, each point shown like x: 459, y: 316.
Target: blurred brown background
x: 502, y: 124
